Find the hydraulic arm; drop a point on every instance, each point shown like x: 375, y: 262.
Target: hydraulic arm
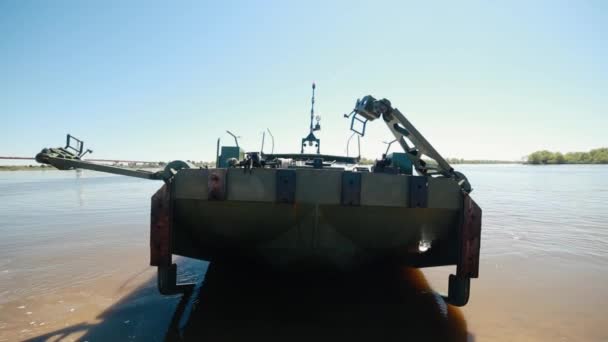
x: 369, y: 109
x: 416, y: 147
x: 70, y: 157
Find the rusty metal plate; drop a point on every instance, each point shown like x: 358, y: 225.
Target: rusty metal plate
x: 286, y: 186
x: 351, y: 188
x: 216, y: 184
x: 468, y: 265
x: 160, y: 228
x: 419, y: 192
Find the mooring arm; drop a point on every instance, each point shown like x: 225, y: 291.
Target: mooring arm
x: 70, y: 157
x: 63, y: 159
x: 369, y: 109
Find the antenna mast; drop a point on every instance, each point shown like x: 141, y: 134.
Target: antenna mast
x: 311, y: 140
x: 312, y: 107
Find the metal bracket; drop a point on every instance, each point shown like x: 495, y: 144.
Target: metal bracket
x: 160, y: 244
x: 216, y: 184
x: 360, y: 122
x: 166, y: 281
x: 459, y: 289
x: 160, y: 228
x: 78, y: 148
x: 418, y: 192
x: 312, y: 141
x: 470, y: 239
x: 468, y: 260
x: 351, y: 188
x: 286, y: 186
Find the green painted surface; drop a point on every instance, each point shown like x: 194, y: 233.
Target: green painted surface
x: 402, y: 162
x: 228, y: 152
x: 317, y: 187
x: 316, y: 228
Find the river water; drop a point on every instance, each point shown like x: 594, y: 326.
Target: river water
x: 74, y: 266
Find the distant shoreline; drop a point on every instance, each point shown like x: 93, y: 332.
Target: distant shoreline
x: 464, y: 162
x: 45, y: 167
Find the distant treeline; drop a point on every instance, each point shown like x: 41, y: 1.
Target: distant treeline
x: 596, y: 156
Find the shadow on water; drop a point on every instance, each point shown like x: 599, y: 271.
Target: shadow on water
x: 142, y: 315
x: 244, y: 303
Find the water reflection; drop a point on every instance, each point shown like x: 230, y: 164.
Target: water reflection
x: 79, y: 188
x: 244, y: 303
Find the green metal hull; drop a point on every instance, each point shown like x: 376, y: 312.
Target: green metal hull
x: 316, y: 229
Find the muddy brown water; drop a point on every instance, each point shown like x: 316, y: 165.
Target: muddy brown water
x: 74, y: 266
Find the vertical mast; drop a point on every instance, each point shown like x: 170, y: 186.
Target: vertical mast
x: 311, y: 140
x: 312, y: 107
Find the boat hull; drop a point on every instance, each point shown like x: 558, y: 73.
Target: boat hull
x: 325, y: 235
x: 310, y: 218
x: 333, y: 218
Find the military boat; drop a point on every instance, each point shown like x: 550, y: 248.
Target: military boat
x: 307, y: 210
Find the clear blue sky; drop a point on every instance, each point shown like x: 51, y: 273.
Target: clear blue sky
x: 162, y: 80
